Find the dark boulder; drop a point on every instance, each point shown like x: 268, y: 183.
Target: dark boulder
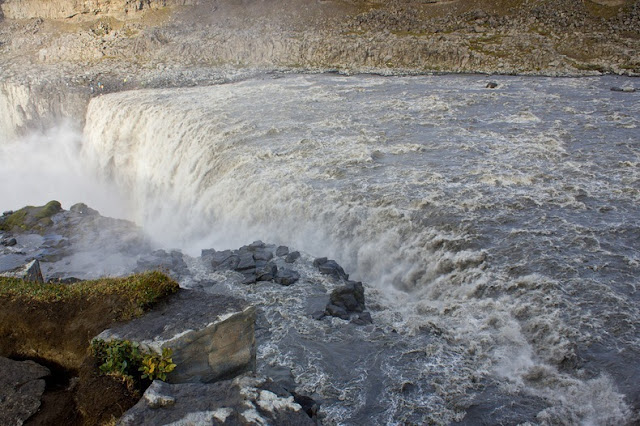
x: 245, y: 262
x: 263, y: 254
x: 282, y: 251
x: 330, y: 267
x: 491, y: 85
x: 28, y: 272
x: 266, y: 271
x: 287, y: 276
x: 292, y: 257
x: 9, y: 242
x: 349, y: 297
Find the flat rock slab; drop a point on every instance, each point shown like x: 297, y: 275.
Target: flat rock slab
x: 212, y: 336
x: 21, y: 388
x: 246, y: 400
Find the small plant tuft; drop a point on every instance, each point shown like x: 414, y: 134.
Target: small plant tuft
x: 127, y: 360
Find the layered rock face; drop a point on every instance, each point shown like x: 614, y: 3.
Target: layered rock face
x: 47, y: 9
x: 212, y: 337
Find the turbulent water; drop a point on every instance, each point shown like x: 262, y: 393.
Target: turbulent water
x: 498, y: 231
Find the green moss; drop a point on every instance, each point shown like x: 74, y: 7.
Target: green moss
x: 31, y: 218
x: 136, y: 292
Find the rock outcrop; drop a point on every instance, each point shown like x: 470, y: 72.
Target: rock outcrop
x: 245, y: 400
x: 21, y: 387
x: 28, y: 272
x: 212, y: 337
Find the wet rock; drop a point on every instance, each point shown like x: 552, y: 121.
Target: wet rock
x: 244, y: 400
x: 282, y: 251
x: 21, y: 389
x: 349, y: 296
x: 223, y: 259
x: 337, y: 311
x: 330, y: 267
x: 249, y: 279
x: 263, y: 255
x: 171, y: 262
x: 292, y: 257
x: 9, y: 242
x: 491, y: 85
x: 245, y: 261
x: 28, y: 272
x: 624, y: 89
x: 308, y: 404
x: 212, y: 336
x: 266, y: 271
x: 363, y: 318
x: 83, y: 209
x: 287, y: 276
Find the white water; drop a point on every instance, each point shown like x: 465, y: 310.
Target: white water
x: 498, y: 229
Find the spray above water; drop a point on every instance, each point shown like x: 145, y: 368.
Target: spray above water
x: 48, y: 166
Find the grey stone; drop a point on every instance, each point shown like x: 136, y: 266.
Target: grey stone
x: 491, y: 85
x: 337, y: 311
x: 246, y: 261
x: 286, y: 276
x: 249, y: 279
x: 28, y: 272
x: 282, y: 251
x: 266, y: 272
x: 363, y: 318
x: 9, y: 242
x: 349, y: 296
x: 292, y: 257
x: 244, y: 400
x: 331, y: 267
x: 319, y: 261
x: 21, y: 389
x: 263, y: 255
x: 212, y: 336
x: 83, y: 209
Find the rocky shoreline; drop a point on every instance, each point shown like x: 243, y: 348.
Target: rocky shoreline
x: 211, y: 335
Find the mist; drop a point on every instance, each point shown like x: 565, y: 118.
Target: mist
x: 49, y: 165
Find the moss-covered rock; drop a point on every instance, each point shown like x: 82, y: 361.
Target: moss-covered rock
x: 30, y: 218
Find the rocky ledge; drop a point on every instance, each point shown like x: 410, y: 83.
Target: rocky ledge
x: 211, y: 336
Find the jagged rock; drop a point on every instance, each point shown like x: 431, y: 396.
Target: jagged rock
x: 330, y: 267
x: 224, y: 259
x: 282, y: 251
x: 349, y: 296
x: 266, y: 271
x: 212, y: 336
x: 337, y: 311
x: 292, y: 257
x: 242, y: 401
x: 491, y: 85
x: 9, y: 242
x: 21, y: 389
x: 287, y: 276
x: 28, y: 272
x: 245, y: 262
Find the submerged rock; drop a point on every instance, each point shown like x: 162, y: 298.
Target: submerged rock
x: 242, y: 401
x: 212, y: 336
x: 21, y: 389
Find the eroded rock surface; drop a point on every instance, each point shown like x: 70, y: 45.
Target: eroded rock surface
x: 246, y: 400
x: 212, y: 336
x: 21, y: 388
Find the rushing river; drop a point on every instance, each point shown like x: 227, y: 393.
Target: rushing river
x: 497, y: 230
